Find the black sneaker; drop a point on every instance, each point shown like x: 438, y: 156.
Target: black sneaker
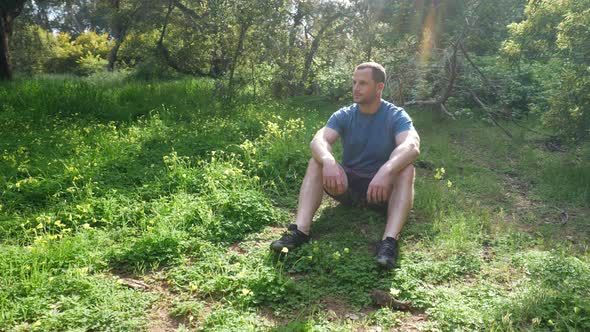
x: 387, y: 253
x: 292, y: 239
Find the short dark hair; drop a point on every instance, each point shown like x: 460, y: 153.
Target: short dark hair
x: 377, y: 69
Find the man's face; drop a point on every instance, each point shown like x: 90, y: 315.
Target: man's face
x: 364, y: 88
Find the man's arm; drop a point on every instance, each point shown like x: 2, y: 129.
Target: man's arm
x: 321, y: 150
x: 406, y: 151
x: 321, y: 145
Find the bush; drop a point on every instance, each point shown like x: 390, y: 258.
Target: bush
x: 90, y: 64
x: 83, y: 56
x: 569, y: 112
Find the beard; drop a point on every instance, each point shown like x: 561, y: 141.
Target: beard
x: 364, y: 99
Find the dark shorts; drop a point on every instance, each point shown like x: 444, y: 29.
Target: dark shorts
x: 356, y: 194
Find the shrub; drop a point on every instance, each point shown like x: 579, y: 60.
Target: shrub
x: 83, y: 56
x: 90, y: 64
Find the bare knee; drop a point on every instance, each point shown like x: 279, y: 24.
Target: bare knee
x: 314, y: 168
x: 407, y: 174
x: 313, y: 165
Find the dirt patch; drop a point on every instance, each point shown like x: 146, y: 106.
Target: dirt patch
x: 237, y: 249
x: 487, y: 254
x: 518, y: 191
x: 413, y: 323
x: 337, y: 309
x: 160, y: 319
x: 159, y: 316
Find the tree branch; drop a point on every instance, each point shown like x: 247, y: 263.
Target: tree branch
x: 166, y: 53
x: 485, y: 79
x: 486, y: 109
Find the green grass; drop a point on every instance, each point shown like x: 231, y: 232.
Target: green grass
x: 170, y: 183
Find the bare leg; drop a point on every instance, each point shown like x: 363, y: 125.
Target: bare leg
x: 400, y: 202
x: 310, y: 195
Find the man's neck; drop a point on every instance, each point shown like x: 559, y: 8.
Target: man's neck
x: 371, y: 108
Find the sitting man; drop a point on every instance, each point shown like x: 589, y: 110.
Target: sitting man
x: 379, y: 145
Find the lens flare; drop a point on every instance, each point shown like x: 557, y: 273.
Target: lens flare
x: 427, y: 41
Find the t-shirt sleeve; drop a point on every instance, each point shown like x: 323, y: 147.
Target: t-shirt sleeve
x: 336, y: 121
x: 402, y: 123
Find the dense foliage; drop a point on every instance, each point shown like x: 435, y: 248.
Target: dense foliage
x: 557, y: 34
x: 507, y: 59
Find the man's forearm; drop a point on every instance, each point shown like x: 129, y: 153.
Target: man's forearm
x: 402, y: 156
x: 321, y: 150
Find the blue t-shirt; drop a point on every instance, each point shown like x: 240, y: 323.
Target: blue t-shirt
x: 368, y: 139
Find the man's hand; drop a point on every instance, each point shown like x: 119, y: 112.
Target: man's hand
x: 333, y: 176
x: 380, y: 187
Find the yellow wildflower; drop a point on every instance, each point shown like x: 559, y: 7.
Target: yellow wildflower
x: 394, y: 291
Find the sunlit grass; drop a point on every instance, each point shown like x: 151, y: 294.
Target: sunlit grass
x: 103, y: 178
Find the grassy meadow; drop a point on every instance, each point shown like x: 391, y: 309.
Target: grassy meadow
x: 150, y: 206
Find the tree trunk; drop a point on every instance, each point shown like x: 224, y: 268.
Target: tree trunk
x: 309, y: 58
x: 438, y: 102
x: 401, y: 99
x: 8, y: 12
x: 369, y: 52
x: 297, y: 18
x: 113, y: 54
x: 5, y: 69
x: 166, y: 53
x: 243, y: 29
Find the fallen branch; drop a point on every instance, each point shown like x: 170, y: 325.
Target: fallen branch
x: 135, y: 284
x: 444, y: 110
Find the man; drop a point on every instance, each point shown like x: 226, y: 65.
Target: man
x: 379, y: 145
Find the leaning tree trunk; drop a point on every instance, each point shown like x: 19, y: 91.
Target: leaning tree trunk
x: 165, y: 53
x: 308, y: 61
x: 438, y: 103
x: 243, y: 29
x: 113, y: 54
x: 313, y: 49
x: 5, y: 68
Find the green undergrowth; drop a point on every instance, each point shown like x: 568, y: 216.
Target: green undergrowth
x: 100, y: 180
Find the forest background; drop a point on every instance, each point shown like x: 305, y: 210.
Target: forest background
x: 521, y: 57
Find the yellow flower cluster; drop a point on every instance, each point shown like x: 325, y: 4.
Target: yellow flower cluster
x: 440, y: 174
x: 22, y: 182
